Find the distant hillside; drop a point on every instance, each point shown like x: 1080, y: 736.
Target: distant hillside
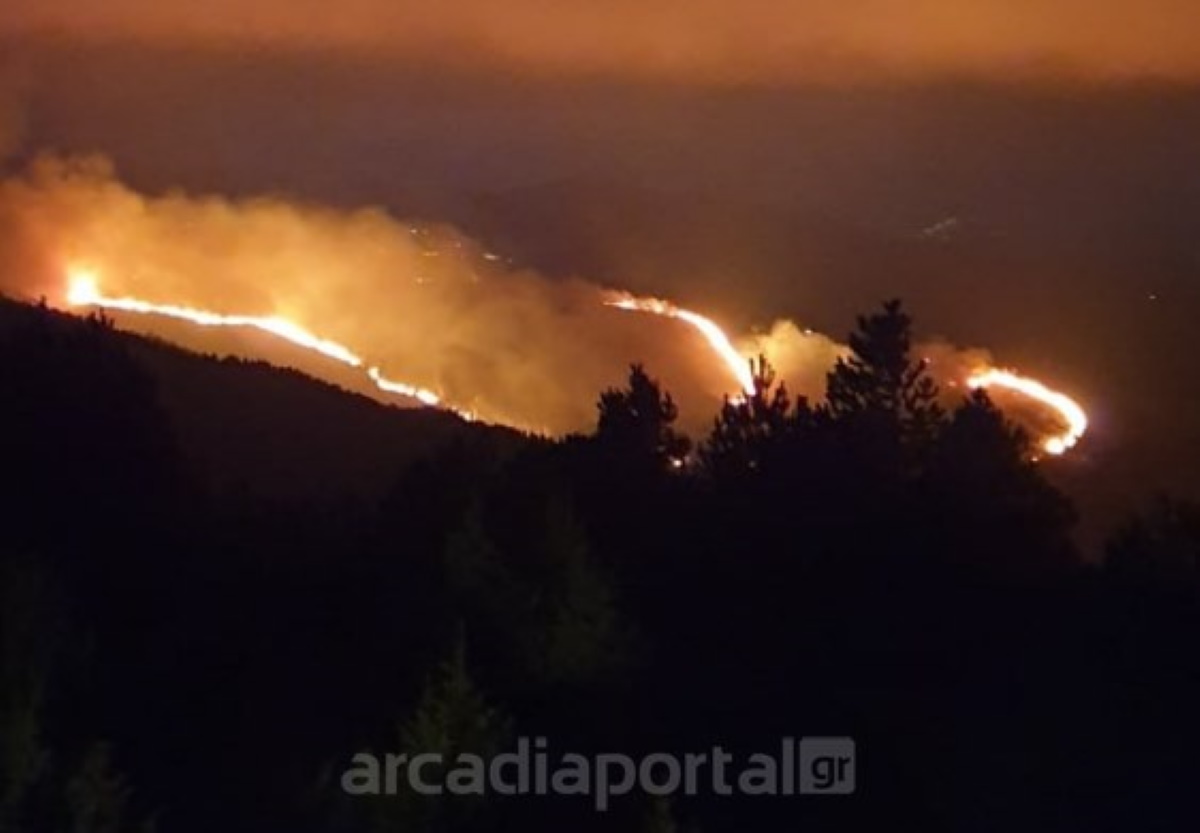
x: 251, y: 427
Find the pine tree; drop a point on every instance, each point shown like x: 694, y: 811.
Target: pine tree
x: 751, y: 427
x: 636, y: 424
x: 992, y: 498
x: 581, y: 642
x: 452, y: 715
x: 880, y: 387
x: 23, y: 679
x: 484, y: 590
x: 1161, y: 546
x: 452, y: 718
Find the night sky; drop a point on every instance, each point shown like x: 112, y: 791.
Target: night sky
x: 1022, y: 174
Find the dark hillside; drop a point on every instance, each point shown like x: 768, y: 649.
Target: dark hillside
x: 255, y: 428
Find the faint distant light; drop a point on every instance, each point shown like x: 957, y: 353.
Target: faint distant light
x: 943, y: 229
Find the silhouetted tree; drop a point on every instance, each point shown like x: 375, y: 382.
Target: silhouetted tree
x: 545, y: 614
x: 42, y: 781
x: 989, y: 497
x: 752, y: 426
x: 482, y: 585
x: 1161, y: 546
x: 636, y: 424
x: 452, y: 718
x: 823, y: 563
x: 26, y: 638
x: 495, y: 602
x: 881, y: 390
x: 582, y: 641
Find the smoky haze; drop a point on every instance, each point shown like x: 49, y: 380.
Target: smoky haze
x: 1054, y: 224
x: 705, y: 41
x: 423, y: 303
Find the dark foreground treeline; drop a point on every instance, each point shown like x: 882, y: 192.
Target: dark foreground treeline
x: 200, y: 658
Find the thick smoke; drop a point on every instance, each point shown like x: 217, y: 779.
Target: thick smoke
x: 424, y: 303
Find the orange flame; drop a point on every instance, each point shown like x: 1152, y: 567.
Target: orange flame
x: 388, y: 386
x: 713, y: 334
x: 83, y: 290
x: 1068, y: 409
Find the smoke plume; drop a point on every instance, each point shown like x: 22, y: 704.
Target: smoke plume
x: 424, y: 303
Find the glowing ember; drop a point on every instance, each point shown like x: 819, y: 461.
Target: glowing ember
x: 1068, y: 409
x: 713, y: 334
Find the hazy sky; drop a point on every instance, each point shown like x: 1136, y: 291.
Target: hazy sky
x: 769, y: 41
x: 751, y: 159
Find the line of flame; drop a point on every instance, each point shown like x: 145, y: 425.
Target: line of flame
x: 1068, y: 409
x: 83, y: 290
x: 713, y: 334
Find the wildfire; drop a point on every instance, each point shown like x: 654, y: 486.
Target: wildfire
x: 388, y: 386
x: 1068, y: 409
x: 713, y: 334
x: 83, y: 290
